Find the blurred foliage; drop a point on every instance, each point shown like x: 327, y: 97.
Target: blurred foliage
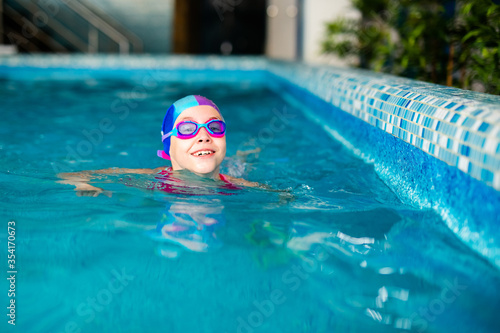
x: 452, y: 42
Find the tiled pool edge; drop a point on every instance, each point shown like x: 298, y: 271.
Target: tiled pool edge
x: 156, y: 68
x: 469, y: 207
x: 459, y: 127
x: 125, y: 62
x: 350, y: 103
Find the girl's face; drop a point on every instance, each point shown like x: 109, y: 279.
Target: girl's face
x: 184, y: 153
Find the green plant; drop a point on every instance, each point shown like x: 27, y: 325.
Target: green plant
x: 480, y: 44
x: 368, y: 38
x: 442, y: 41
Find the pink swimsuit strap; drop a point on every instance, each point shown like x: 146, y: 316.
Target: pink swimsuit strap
x: 222, y: 177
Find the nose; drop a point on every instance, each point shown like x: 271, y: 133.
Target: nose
x: 203, y: 135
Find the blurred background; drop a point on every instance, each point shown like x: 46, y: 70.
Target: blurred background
x: 286, y: 29
x: 449, y: 42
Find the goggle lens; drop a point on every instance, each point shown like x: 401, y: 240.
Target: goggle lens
x: 217, y: 126
x: 186, y: 128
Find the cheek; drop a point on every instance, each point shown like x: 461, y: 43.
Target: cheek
x: 222, y: 145
x: 177, y: 147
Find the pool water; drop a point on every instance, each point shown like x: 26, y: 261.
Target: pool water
x: 330, y: 249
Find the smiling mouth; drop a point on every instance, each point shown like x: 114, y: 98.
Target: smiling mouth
x: 203, y: 153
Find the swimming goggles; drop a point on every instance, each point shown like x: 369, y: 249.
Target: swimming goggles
x: 189, y: 129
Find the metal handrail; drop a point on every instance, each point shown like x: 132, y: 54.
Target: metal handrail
x: 67, y: 34
x: 41, y: 36
x: 133, y: 39
x: 96, y: 24
x: 101, y: 25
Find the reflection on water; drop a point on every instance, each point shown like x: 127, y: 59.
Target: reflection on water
x: 189, y: 226
x: 382, y: 270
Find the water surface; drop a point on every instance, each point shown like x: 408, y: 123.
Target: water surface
x: 333, y: 251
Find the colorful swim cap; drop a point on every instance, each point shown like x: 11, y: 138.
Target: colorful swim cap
x: 175, y: 111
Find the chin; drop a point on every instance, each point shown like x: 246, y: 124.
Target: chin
x: 205, y: 168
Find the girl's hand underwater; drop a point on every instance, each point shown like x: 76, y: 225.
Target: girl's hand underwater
x: 80, y: 181
x: 87, y: 190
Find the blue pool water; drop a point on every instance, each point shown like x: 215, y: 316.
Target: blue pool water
x: 335, y: 251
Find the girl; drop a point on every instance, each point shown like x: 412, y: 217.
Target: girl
x: 193, y: 136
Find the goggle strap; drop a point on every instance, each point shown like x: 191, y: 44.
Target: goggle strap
x: 163, y: 137
x: 162, y: 154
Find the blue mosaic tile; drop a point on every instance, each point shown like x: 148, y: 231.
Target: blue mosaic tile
x: 461, y: 128
x: 484, y: 127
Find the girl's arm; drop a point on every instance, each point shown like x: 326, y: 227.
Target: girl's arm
x: 286, y: 196
x: 83, y: 188
x: 243, y: 182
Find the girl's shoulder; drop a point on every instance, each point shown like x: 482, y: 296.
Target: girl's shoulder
x: 163, y: 170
